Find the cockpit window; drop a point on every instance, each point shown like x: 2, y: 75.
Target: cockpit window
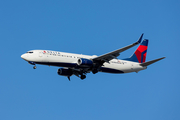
x: 30, y: 52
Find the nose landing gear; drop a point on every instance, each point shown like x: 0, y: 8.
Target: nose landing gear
x: 32, y: 63
x: 34, y: 67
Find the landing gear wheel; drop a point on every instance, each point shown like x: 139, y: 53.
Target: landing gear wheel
x: 34, y: 67
x: 95, y: 71
x: 83, y: 77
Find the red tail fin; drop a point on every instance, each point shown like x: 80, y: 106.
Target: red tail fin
x: 140, y: 53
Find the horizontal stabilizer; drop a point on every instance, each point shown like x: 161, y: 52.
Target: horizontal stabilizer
x: 151, y: 62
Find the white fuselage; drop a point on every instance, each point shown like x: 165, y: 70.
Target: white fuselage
x: 63, y: 59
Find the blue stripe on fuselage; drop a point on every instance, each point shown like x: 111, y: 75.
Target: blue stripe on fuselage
x: 59, y: 64
x: 74, y: 65
x: 110, y: 70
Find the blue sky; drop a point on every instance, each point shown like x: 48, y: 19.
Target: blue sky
x: 89, y: 27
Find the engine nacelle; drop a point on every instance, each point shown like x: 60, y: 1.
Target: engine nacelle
x: 85, y: 62
x: 64, y: 72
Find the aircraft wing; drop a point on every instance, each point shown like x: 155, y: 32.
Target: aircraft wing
x: 111, y: 55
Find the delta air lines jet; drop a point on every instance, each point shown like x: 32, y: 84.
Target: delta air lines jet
x: 80, y: 65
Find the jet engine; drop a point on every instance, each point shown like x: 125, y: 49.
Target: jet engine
x: 85, y: 62
x: 64, y: 72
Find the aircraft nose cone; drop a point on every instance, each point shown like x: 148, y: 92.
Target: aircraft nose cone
x: 24, y: 56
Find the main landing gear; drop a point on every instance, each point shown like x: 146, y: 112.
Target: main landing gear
x: 94, y: 71
x: 83, y: 77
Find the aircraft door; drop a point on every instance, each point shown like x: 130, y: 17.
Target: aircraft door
x: 40, y: 54
x: 43, y: 56
x: 132, y: 66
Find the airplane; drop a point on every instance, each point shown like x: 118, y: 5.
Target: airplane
x: 80, y: 65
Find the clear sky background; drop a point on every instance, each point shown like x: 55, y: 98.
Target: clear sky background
x: 91, y: 27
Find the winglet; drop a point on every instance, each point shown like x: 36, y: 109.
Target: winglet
x: 151, y: 62
x: 139, y: 41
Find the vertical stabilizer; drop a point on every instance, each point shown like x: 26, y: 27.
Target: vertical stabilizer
x: 140, y: 53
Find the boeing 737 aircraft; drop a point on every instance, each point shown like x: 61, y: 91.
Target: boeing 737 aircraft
x: 80, y: 65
